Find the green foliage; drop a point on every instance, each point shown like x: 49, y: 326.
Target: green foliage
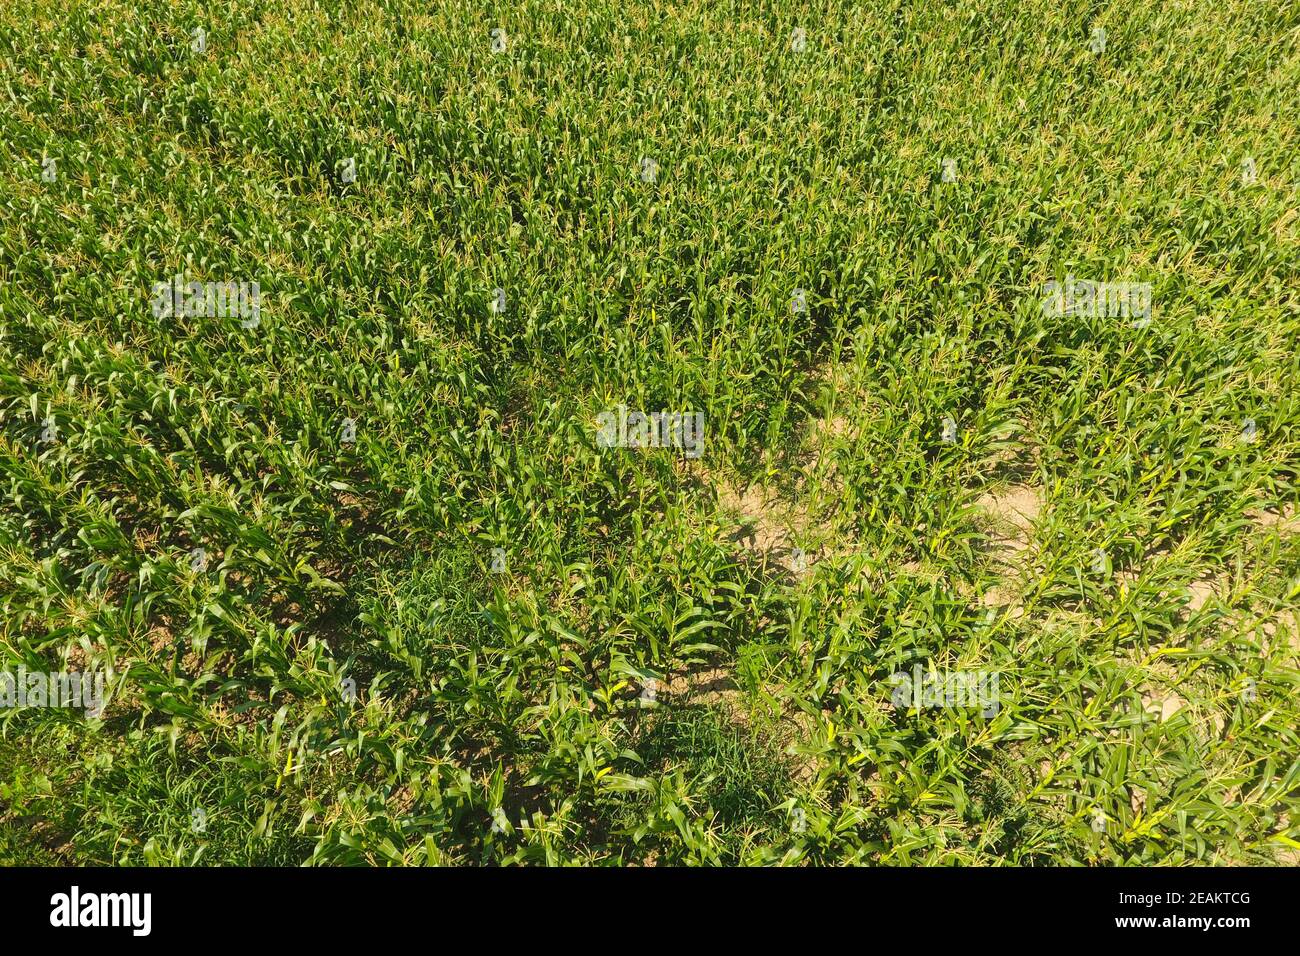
x: 502, y: 716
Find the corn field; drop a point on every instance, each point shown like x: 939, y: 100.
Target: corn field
x: 649, y: 434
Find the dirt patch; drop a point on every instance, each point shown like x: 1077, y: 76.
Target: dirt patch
x: 769, y: 526
x: 1162, y: 704
x: 160, y: 638
x: 1199, y: 594
x: 1156, y: 690
x: 1284, y: 520
x: 763, y: 528
x: 711, y: 686
x: 1013, y: 512
x: 788, y: 728
x: 1286, y: 623
x: 837, y: 426
x: 1004, y: 596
